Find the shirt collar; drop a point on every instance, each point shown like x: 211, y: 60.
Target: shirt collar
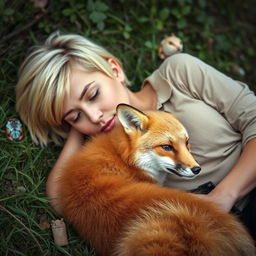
x: 161, y: 86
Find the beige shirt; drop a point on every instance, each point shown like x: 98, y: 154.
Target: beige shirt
x: 218, y: 113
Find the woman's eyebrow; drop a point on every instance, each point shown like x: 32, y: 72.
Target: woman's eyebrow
x: 86, y: 87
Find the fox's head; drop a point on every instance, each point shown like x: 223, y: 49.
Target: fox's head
x: 158, y: 141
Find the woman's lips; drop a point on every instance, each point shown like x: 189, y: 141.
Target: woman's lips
x: 109, y: 125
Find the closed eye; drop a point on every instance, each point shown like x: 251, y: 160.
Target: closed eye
x: 94, y: 96
x: 77, y: 118
x: 168, y: 147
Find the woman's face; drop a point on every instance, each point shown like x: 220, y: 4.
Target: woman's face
x: 90, y: 106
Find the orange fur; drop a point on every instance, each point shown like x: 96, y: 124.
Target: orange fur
x: 122, y: 211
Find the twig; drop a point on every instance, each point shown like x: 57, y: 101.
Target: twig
x: 27, y: 26
x: 12, y: 215
x: 7, y: 198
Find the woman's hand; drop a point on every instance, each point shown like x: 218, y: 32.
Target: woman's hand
x: 74, y: 138
x: 224, y: 201
x: 239, y: 182
x: 74, y: 142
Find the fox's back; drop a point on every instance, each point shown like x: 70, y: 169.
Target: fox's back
x: 108, y: 154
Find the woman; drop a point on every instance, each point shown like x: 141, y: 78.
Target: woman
x: 70, y: 87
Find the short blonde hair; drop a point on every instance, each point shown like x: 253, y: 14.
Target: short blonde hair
x: 44, y: 80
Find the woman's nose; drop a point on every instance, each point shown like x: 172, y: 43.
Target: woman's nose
x: 95, y: 115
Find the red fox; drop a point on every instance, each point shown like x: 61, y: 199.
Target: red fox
x: 109, y: 193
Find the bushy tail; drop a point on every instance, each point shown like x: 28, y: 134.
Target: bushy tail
x: 166, y: 229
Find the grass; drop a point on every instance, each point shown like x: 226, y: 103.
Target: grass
x: 220, y: 33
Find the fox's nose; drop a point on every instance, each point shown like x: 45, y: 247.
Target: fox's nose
x: 196, y: 169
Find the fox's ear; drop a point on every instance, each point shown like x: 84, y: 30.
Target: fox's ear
x: 131, y: 118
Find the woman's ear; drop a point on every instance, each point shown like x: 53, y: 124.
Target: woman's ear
x: 117, y: 69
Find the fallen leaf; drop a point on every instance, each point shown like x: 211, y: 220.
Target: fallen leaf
x: 43, y: 221
x: 59, y: 232
x: 41, y: 4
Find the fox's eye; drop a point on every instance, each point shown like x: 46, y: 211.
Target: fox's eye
x: 168, y: 147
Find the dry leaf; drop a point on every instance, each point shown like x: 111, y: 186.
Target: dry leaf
x: 44, y: 225
x: 41, y: 4
x: 43, y: 222
x: 59, y: 232
x: 20, y: 189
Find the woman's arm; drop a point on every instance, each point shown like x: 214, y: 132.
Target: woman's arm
x: 239, y: 182
x: 74, y: 142
x: 236, y: 103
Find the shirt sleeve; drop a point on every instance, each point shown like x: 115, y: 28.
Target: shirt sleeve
x: 232, y: 99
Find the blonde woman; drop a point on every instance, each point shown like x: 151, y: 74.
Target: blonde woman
x: 69, y: 87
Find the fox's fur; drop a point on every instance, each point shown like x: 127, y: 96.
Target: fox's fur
x: 109, y: 193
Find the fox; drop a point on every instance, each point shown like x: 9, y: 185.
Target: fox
x: 111, y: 193
x: 169, y: 46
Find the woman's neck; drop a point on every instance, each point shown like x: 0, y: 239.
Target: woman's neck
x: 145, y: 99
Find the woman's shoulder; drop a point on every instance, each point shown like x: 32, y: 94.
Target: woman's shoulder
x: 180, y: 60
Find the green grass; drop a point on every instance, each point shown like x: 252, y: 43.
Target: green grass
x: 218, y: 32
